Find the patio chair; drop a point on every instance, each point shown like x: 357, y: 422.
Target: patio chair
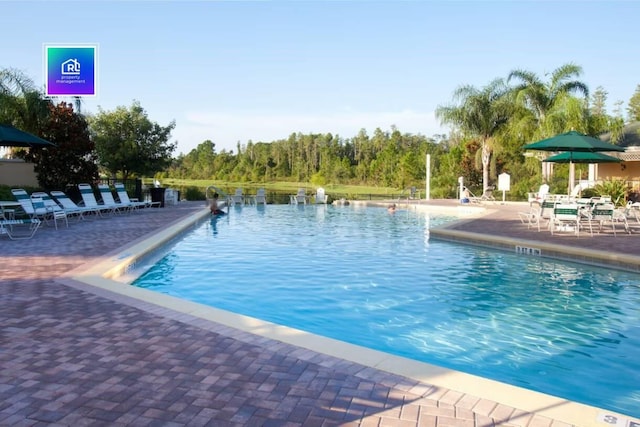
x: 532, y: 218
x: 124, y: 197
x: 32, y: 211
x: 321, y: 197
x: 108, y: 200
x: 260, y: 198
x: 71, y: 207
x: 567, y: 217
x: 487, y: 196
x: 56, y: 212
x: 538, y: 196
x: 9, y: 226
x: 300, y: 198
x: 89, y: 200
x: 237, y: 198
x: 606, y: 214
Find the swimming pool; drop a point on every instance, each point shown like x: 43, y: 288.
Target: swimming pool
x: 374, y: 279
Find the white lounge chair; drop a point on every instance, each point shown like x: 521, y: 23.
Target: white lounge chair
x: 124, y: 198
x: 300, y: 198
x: 260, y: 198
x: 71, y: 207
x: 89, y: 200
x: 237, y: 198
x: 321, y: 197
x: 32, y: 211
x: 56, y: 212
x: 108, y: 200
x: 9, y: 226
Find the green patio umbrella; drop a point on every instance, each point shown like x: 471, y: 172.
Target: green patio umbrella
x: 581, y: 157
x: 573, y: 141
x: 13, y: 137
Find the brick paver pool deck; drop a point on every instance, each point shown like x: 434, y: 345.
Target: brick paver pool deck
x: 71, y: 355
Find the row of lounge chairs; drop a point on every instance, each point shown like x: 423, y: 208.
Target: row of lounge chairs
x: 55, y: 206
x: 239, y: 198
x: 300, y: 198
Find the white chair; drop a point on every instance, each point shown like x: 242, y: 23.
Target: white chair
x: 321, y: 197
x: 539, y: 196
x: 607, y: 214
x: 70, y: 207
x: 9, y: 226
x: 124, y: 197
x: 567, y: 217
x: 237, y: 198
x: 34, y: 208
x: 108, y: 200
x: 56, y: 212
x: 300, y: 198
x: 89, y: 200
x: 260, y: 198
x: 575, y: 193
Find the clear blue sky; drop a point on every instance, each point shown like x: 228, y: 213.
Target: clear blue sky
x: 238, y: 71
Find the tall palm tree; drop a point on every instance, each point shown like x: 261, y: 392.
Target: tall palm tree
x: 21, y: 103
x: 548, y: 108
x: 550, y: 105
x: 479, y: 113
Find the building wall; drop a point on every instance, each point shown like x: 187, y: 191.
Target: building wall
x: 17, y: 173
x: 628, y: 171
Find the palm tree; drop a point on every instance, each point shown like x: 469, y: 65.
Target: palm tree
x: 21, y: 103
x: 551, y: 106
x: 479, y: 113
x: 544, y: 109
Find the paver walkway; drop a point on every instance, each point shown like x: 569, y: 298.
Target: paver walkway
x: 71, y: 356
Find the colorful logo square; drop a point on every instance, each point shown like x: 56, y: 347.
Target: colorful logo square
x: 71, y: 70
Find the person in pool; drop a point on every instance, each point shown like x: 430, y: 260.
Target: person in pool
x: 214, y: 206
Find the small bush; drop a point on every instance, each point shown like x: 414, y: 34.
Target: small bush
x: 616, y: 188
x: 588, y: 193
x: 194, y: 193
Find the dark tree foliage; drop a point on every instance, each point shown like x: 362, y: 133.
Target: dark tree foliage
x: 129, y: 143
x: 73, y: 159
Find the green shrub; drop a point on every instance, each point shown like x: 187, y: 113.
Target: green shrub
x: 616, y: 188
x: 194, y: 193
x: 588, y: 193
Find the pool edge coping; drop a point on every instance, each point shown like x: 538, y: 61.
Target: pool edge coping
x: 101, y: 275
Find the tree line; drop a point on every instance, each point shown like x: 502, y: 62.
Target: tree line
x: 490, y: 125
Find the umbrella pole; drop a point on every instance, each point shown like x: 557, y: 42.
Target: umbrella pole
x: 572, y: 177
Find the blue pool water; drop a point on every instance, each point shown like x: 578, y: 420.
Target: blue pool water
x: 376, y: 279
